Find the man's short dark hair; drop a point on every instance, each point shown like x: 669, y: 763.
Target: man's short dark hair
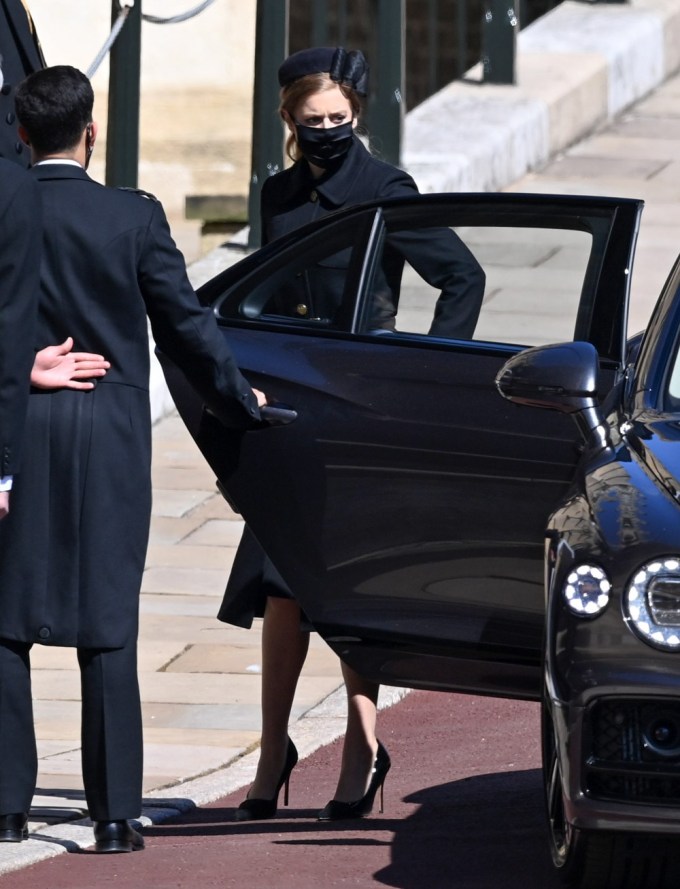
x: 54, y: 105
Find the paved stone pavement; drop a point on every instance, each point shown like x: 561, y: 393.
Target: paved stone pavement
x: 637, y: 156
x: 199, y: 678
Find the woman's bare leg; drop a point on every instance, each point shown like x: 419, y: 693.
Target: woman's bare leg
x: 361, y: 746
x: 284, y: 649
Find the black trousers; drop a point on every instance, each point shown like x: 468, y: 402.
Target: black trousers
x: 111, y: 731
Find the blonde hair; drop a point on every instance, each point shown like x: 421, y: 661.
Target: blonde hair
x: 297, y: 92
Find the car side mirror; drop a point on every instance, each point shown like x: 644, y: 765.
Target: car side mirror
x: 561, y: 377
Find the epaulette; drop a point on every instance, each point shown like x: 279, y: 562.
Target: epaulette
x: 144, y: 194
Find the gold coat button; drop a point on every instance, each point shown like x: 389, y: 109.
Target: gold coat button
x: 314, y: 197
x: 301, y: 309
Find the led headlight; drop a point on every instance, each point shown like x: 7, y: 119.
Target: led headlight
x: 652, y: 603
x: 586, y: 590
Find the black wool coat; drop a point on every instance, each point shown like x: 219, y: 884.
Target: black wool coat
x: 293, y: 198
x: 72, y: 549
x: 21, y: 55
x: 19, y: 264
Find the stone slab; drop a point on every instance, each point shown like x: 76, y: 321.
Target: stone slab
x: 210, y: 658
x: 185, y: 580
x: 217, y: 532
x: 186, y: 555
x: 178, y: 503
x: 599, y: 167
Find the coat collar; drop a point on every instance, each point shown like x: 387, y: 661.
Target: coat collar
x: 59, y: 171
x: 334, y: 186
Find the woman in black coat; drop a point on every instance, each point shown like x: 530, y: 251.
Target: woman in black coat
x: 320, y: 105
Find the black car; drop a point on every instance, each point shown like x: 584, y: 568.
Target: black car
x: 439, y: 536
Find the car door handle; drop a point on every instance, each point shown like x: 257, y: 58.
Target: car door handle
x: 277, y: 414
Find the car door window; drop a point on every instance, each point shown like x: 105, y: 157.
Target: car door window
x: 311, y: 283
x: 533, y: 285
x: 529, y: 288
x: 502, y: 270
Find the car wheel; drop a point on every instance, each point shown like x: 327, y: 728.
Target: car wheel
x: 561, y: 832
x: 599, y: 859
x: 581, y: 857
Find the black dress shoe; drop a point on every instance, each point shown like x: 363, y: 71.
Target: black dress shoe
x: 13, y: 828
x: 116, y: 836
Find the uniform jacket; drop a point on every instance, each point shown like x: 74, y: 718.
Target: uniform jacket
x: 21, y: 55
x: 72, y: 549
x: 19, y: 264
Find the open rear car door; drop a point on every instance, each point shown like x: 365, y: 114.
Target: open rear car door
x: 402, y: 499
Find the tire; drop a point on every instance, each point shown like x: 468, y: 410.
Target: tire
x: 598, y: 859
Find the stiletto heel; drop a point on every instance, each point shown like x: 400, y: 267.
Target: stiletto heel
x: 336, y: 810
x: 259, y: 809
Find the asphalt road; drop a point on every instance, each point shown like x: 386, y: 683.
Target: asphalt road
x: 463, y: 808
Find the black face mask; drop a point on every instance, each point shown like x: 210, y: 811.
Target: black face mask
x: 323, y: 146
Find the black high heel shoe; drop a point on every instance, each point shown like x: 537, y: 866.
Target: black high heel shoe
x: 259, y: 809
x: 336, y: 810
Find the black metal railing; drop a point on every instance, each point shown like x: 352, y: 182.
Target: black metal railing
x: 440, y: 41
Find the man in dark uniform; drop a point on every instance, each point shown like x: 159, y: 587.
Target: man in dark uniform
x: 80, y: 515
x: 20, y: 55
x: 19, y: 264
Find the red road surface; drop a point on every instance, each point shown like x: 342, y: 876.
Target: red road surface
x: 463, y: 808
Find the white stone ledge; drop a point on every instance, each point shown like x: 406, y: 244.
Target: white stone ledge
x: 577, y: 67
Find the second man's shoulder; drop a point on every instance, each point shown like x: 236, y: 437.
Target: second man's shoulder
x: 138, y: 191
x: 136, y: 203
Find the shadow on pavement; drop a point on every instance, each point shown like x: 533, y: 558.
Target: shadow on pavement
x: 479, y: 832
